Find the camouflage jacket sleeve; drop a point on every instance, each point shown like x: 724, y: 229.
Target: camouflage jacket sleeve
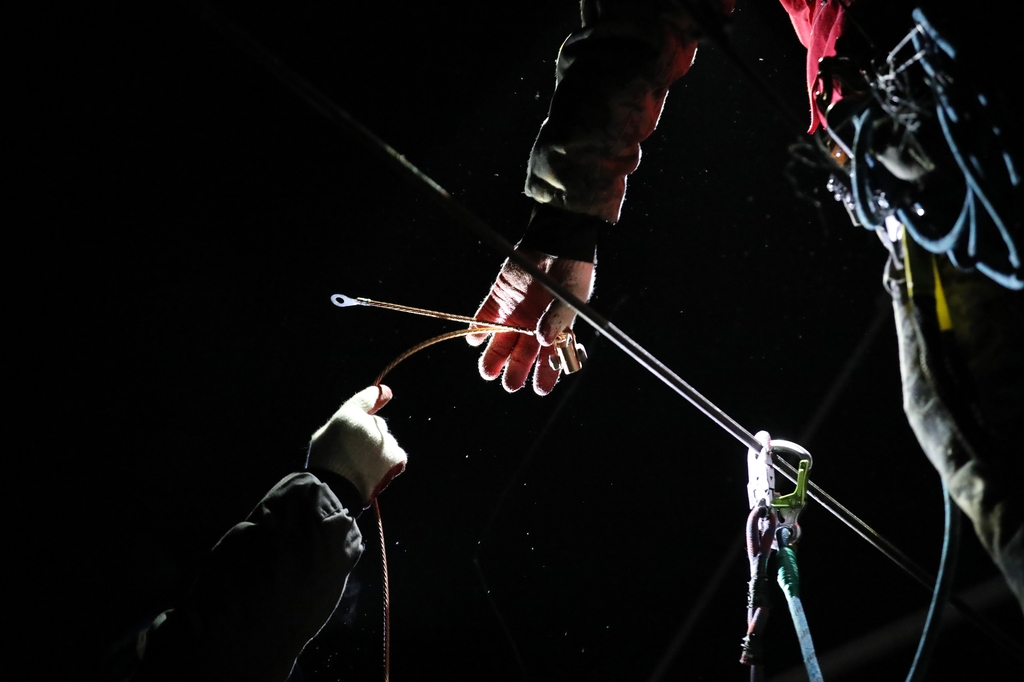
x: 610, y: 85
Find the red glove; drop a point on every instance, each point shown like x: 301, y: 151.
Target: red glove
x: 519, y: 301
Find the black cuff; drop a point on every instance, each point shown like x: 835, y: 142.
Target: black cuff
x: 562, y: 233
x: 345, y: 490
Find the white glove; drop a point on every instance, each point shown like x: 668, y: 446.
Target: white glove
x: 358, y: 446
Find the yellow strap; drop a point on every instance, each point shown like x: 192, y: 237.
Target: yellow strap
x: 941, y: 308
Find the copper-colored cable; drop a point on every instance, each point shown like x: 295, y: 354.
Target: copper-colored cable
x: 343, y: 301
x: 376, y: 507
x: 482, y: 328
x: 387, y: 599
x: 488, y: 329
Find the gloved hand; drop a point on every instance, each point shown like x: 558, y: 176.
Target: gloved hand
x: 358, y: 446
x: 517, y: 300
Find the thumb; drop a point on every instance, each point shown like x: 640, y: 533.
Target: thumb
x: 371, y: 398
x: 383, y: 399
x: 578, y: 278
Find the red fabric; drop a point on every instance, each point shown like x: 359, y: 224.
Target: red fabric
x: 818, y: 23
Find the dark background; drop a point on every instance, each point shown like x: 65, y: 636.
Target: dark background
x: 182, y: 220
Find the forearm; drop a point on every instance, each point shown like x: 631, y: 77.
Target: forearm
x: 611, y: 82
x: 269, y: 585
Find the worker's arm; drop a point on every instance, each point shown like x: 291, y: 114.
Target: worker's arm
x: 612, y: 78
x: 272, y: 581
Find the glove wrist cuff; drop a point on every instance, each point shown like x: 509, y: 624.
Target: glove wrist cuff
x: 562, y: 233
x: 369, y: 471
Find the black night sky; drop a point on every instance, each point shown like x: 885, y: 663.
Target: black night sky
x: 182, y: 221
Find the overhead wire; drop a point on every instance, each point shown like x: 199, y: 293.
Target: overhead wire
x: 470, y: 221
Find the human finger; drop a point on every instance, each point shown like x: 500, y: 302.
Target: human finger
x: 578, y: 277
x: 520, y: 362
x: 544, y: 375
x: 383, y: 398
x: 494, y: 357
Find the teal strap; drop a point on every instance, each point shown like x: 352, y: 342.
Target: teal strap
x: 789, y: 581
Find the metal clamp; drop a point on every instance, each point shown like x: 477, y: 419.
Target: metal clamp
x: 570, y: 353
x: 761, y: 481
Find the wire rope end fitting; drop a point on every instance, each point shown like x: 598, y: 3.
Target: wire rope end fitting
x: 570, y: 353
x: 343, y: 301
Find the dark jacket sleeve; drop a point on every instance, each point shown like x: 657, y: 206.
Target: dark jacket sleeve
x: 610, y: 85
x: 268, y: 587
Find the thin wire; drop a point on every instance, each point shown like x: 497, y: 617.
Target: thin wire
x: 438, y: 339
x: 858, y: 525
x: 376, y: 507
x: 451, y: 317
x: 386, y: 591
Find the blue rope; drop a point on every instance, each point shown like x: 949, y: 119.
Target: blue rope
x: 943, y: 586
